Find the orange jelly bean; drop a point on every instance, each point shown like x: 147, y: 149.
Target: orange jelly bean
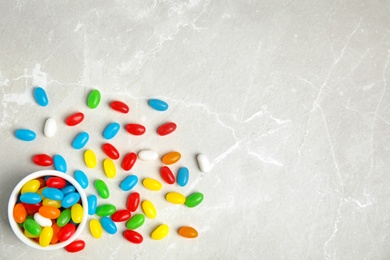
x: 49, y: 212
x: 188, y: 232
x: 171, y: 158
x: 20, y: 213
x: 56, y: 228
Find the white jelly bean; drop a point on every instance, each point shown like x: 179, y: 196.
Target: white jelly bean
x: 50, y: 127
x: 42, y: 221
x: 203, y: 163
x: 147, y: 155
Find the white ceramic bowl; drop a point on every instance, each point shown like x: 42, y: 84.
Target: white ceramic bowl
x: 14, y: 198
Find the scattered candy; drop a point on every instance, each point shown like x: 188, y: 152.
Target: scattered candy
x: 80, y: 140
x: 111, y: 130
x: 75, y: 246
x: 149, y: 209
x: 158, y: 104
x: 188, y: 232
x: 129, y: 161
x: 105, y: 210
x: 25, y: 135
x: 203, y: 163
x: 171, y: 158
x: 194, y: 199
x: 166, y: 128
x: 81, y: 178
x: 135, y: 129
x: 74, y: 119
x: 152, y: 184
x: 102, y: 189
x: 167, y: 175
x: 121, y: 215
x: 147, y: 155
x: 136, y: 221
x: 93, y: 99
x: 90, y: 159
x: 119, y: 106
x: 133, y: 236
x: 175, y: 198
x: 50, y: 128
x: 42, y: 160
x: 96, y: 228
x: 92, y: 204
x: 160, y: 232
x: 183, y: 176
x: 133, y: 201
x: 110, y: 151
x: 108, y: 225
x: 59, y: 163
x: 129, y: 182
x: 40, y: 96
x: 109, y: 168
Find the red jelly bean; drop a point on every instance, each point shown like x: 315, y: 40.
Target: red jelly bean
x: 135, y: 129
x: 129, y: 161
x: 74, y: 119
x: 167, y: 175
x: 75, y: 246
x: 119, y: 106
x: 56, y: 182
x: 166, y: 128
x: 42, y: 160
x: 66, y: 232
x: 133, y: 236
x: 41, y: 182
x: 121, y: 215
x: 31, y: 209
x: 133, y: 201
x: 110, y: 150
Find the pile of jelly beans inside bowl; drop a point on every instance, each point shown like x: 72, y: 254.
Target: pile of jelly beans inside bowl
x: 48, y: 210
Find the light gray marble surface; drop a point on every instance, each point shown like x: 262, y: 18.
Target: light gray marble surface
x: 288, y: 99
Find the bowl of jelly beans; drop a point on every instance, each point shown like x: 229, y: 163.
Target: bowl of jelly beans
x: 47, y: 210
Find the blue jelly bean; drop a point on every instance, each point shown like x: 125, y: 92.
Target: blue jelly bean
x: 182, y: 176
x: 129, y: 182
x: 111, y: 130
x: 40, y: 96
x: 52, y: 193
x: 81, y: 178
x: 30, y: 198
x: 70, y: 199
x: 92, y: 204
x: 80, y: 140
x: 158, y: 104
x: 25, y: 134
x: 108, y: 225
x: 59, y: 163
x: 68, y: 189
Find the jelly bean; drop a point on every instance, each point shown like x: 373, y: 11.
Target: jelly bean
x: 25, y: 135
x: 55, y: 182
x: 51, y: 203
x: 68, y: 189
x: 80, y: 140
x: 30, y: 186
x: 135, y: 129
x: 75, y: 246
x: 40, y: 191
x: 42, y: 160
x: 166, y: 128
x: 111, y: 130
x: 109, y: 168
x: 81, y: 178
x: 105, y: 210
x: 52, y: 193
x: 59, y: 163
x: 30, y: 198
x: 42, y: 221
x: 92, y: 204
x: 66, y: 232
x: 108, y: 225
x: 147, y: 155
x: 64, y: 218
x: 136, y: 221
x: 102, y: 189
x: 110, y: 151
x: 50, y: 128
x: 129, y: 182
x: 32, y: 227
x: 42, y: 182
x: 119, y: 106
x: 40, y: 96
x: 74, y: 119
x: 133, y: 201
x: 182, y: 176
x: 167, y: 175
x: 19, y: 213
x: 46, y: 236
x: 77, y: 212
x: 93, y: 99
x: 70, y: 199
x: 194, y: 199
x: 90, y: 159
x: 27, y: 234
x: 149, y: 209
x: 96, y: 228
x: 32, y: 208
x: 152, y: 184
x: 171, y: 158
x: 158, y: 104
x: 129, y: 161
x: 121, y: 215
x: 175, y: 198
x: 160, y: 232
x: 203, y: 163
x: 49, y: 212
x: 133, y: 236
x: 56, y: 229
x: 188, y: 232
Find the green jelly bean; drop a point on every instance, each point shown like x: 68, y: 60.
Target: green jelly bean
x: 136, y: 221
x: 105, y: 210
x: 64, y: 218
x: 94, y: 98
x: 102, y: 189
x: 194, y: 199
x: 32, y: 227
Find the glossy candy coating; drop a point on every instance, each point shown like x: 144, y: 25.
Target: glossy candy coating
x: 81, y: 178
x: 102, y: 189
x: 30, y: 186
x: 49, y: 212
x: 31, y: 208
x: 147, y: 155
x: 133, y: 236
x: 95, y: 228
x: 152, y: 184
x: 121, y: 215
x: 194, y: 199
x: 160, y: 232
x: 42, y: 221
x: 25, y: 135
x: 167, y: 175
x: 171, y: 158
x: 42, y: 160
x: 32, y: 227
x: 133, y: 201
x: 105, y: 210
x: 30, y: 198
x: 203, y: 163
x: 183, y: 176
x: 56, y: 229
x: 166, y: 129
x: 175, y: 198
x: 119, y: 106
x: 52, y: 193
x: 109, y: 168
x: 90, y: 159
x: 111, y: 130
x: 158, y: 104
x: 129, y: 161
x: 19, y: 213
x: 27, y: 234
x: 135, y: 221
x: 59, y: 163
x: 64, y: 218
x: 74, y: 119
x: 108, y: 225
x: 70, y: 199
x: 68, y: 189
x: 46, y: 236
x: 77, y: 212
x: 110, y: 151
x: 66, y: 232
x: 75, y: 246
x: 80, y: 140
x: 92, y: 204
x: 149, y: 209
x: 50, y: 128
x: 135, y: 129
x: 129, y: 182
x: 52, y: 203
x: 40, y: 96
x: 93, y: 99
x: 55, y: 182
x: 188, y: 232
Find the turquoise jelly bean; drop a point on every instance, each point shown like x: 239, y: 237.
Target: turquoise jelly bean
x: 40, y: 96
x: 92, y: 204
x: 108, y: 225
x: 30, y: 198
x: 182, y: 176
x: 52, y: 193
x: 70, y: 199
x: 158, y: 104
x: 129, y: 182
x: 111, y: 130
x: 59, y: 163
x: 81, y: 178
x: 25, y: 135
x: 68, y: 189
x: 80, y: 140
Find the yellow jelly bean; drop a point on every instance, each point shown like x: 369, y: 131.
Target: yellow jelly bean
x: 45, y: 236
x: 109, y: 168
x: 77, y: 213
x: 160, y: 232
x: 51, y: 203
x: 30, y: 186
x: 28, y: 234
x: 90, y: 159
x: 175, y: 198
x: 96, y: 228
x: 171, y: 158
x: 152, y: 184
x: 149, y: 209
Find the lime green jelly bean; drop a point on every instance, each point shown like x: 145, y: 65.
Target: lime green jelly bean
x: 102, y: 189
x: 64, y: 218
x: 94, y: 98
x: 136, y: 221
x: 32, y: 227
x: 105, y: 210
x: 194, y: 199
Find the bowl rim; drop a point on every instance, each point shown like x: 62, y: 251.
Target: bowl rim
x: 14, y: 197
